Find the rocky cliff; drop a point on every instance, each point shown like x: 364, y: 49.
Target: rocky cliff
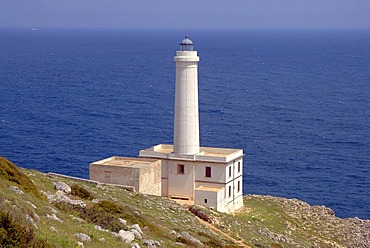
x: 45, y: 210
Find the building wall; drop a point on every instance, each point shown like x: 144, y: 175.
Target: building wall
x: 218, y: 173
x: 115, y: 175
x: 181, y: 184
x: 150, y: 179
x: 215, y: 199
x: 235, y: 204
x: 145, y: 179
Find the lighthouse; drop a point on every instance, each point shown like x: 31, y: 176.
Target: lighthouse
x: 183, y: 171
x: 186, y: 123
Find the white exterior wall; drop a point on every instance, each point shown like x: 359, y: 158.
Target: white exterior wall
x: 181, y: 184
x: 217, y: 175
x: 149, y: 179
x: 186, y: 126
x: 215, y: 199
x: 211, y: 196
x: 164, y: 177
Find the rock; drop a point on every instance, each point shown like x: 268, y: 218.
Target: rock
x: 60, y: 196
x: 122, y: 221
x: 32, y: 221
x: 187, y: 236
x: 136, y: 233
x: 137, y: 227
x: 151, y: 243
x: 135, y: 245
x: 53, y: 210
x: 83, y: 237
x: 32, y: 205
x: 176, y: 244
x: 126, y: 236
x: 330, y: 211
x: 36, y: 217
x: 79, y: 220
x: 80, y: 244
x: 62, y: 187
x: 199, y: 211
x: 53, y: 217
x: 53, y: 229
x: 102, y: 240
x: 99, y: 228
x: 16, y: 190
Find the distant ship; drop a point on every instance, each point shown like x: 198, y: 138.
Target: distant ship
x: 34, y: 29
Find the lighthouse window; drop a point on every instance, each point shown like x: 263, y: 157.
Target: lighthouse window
x: 208, y: 171
x: 239, y: 167
x: 229, y: 191
x: 238, y: 186
x: 180, y: 169
x: 230, y: 171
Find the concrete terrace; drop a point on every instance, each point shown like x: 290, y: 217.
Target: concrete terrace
x: 208, y: 154
x: 125, y: 162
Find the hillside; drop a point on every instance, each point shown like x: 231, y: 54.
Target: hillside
x: 45, y: 210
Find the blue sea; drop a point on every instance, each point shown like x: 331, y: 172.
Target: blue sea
x: 296, y: 101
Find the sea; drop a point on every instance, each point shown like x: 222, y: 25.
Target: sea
x: 296, y: 101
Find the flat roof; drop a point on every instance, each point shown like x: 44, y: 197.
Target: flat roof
x: 212, y: 154
x: 125, y: 162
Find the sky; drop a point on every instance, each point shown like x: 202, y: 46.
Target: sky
x: 186, y: 14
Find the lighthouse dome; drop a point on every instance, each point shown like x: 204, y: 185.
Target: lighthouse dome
x: 186, y: 44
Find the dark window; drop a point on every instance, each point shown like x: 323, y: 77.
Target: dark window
x: 208, y: 172
x: 107, y: 175
x: 180, y: 169
x: 229, y: 191
x: 238, y: 186
x: 230, y: 171
x: 205, y: 200
x: 238, y: 167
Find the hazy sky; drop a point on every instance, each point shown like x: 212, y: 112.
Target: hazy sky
x: 187, y: 13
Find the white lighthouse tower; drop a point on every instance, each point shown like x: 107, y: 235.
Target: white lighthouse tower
x: 186, y: 125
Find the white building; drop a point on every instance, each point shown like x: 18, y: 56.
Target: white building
x: 212, y: 177
x: 144, y: 175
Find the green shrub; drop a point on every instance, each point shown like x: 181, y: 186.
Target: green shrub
x: 11, y: 173
x: 93, y: 215
x: 81, y: 192
x: 15, y: 235
x: 106, y: 214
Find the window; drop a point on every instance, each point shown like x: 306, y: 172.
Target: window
x: 230, y: 171
x: 205, y: 200
x: 238, y: 186
x: 180, y: 169
x: 107, y: 175
x: 239, y: 166
x: 208, y: 171
x: 229, y: 191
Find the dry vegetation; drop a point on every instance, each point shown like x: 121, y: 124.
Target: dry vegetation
x: 30, y: 220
